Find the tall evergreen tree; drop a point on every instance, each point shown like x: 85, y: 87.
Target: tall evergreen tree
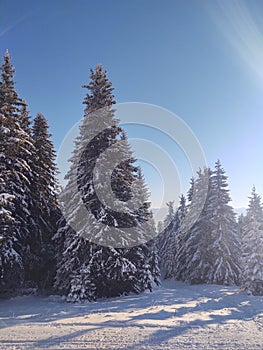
x: 15, y: 152
x: 45, y: 206
x: 210, y: 250
x: 225, y: 233
x: 88, y: 270
x: 252, y: 246
x: 190, y: 262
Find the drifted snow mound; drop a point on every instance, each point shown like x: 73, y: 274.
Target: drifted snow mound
x: 174, y: 316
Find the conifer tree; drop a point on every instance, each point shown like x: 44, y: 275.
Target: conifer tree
x: 88, y: 270
x: 252, y: 278
x: 225, y: 233
x: 45, y: 206
x: 190, y: 262
x: 15, y: 153
x: 171, y: 245
x: 210, y: 250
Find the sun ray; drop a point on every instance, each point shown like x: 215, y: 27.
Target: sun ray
x: 240, y: 26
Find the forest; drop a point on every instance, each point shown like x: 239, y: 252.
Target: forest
x: 49, y: 244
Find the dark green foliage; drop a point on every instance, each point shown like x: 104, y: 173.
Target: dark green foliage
x: 91, y: 262
x: 27, y: 200
x: 15, y: 153
x: 46, y: 211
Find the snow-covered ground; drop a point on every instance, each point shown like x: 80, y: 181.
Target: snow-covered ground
x: 175, y: 316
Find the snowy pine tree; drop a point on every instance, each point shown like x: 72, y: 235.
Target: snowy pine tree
x: 16, y: 148
x: 45, y: 206
x: 210, y: 250
x: 171, y: 241
x: 88, y: 270
x: 252, y: 247
x: 225, y: 233
x: 193, y: 241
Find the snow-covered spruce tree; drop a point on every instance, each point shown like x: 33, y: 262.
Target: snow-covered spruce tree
x: 188, y: 215
x: 45, y: 208
x: 225, y: 231
x: 193, y: 240
x: 15, y: 153
x: 210, y: 250
x: 88, y: 270
x: 252, y: 246
x: 173, y: 233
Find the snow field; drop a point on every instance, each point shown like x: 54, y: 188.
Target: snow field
x: 174, y: 316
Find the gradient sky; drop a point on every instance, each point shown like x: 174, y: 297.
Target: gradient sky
x: 202, y: 60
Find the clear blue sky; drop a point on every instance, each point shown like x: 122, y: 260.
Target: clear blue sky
x: 203, y: 60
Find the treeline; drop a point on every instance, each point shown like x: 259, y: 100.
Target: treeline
x: 203, y: 242
x: 51, y: 246
x: 28, y: 205
x: 45, y: 250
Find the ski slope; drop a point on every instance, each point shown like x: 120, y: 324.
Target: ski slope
x: 174, y: 316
